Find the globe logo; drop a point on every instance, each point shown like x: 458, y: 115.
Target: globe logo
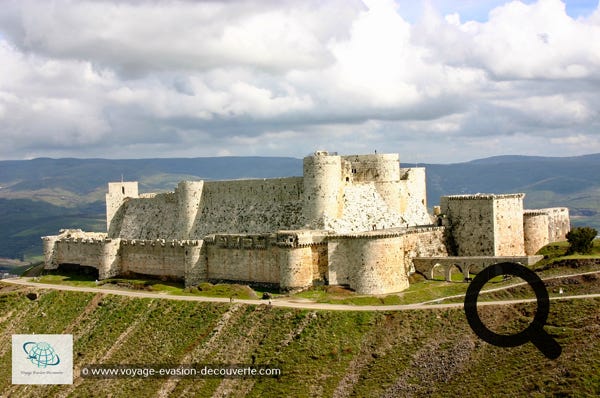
x: 41, y: 354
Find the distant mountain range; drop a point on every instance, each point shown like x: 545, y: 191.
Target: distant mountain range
x: 39, y: 196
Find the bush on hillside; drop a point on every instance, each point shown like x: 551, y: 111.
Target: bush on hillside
x: 581, y: 240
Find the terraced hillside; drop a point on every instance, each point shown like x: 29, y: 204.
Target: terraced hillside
x: 321, y: 354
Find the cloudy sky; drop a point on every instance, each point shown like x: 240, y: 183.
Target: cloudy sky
x: 436, y: 81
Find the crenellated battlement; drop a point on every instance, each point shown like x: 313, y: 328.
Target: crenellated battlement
x: 484, y: 196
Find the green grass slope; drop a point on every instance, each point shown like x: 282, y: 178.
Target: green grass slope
x: 320, y: 353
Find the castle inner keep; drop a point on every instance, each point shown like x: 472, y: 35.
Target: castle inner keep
x: 359, y: 221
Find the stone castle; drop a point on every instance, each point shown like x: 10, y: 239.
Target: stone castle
x: 360, y: 221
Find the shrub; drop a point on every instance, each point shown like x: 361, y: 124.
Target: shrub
x: 581, y: 240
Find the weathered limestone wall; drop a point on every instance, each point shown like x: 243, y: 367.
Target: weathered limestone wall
x: 508, y: 225
x: 322, y: 184
x: 535, y: 230
x: 156, y: 257
x: 363, y: 209
x: 423, y: 242
x: 381, y: 169
x: 559, y: 223
x: 484, y: 225
x: 249, y: 206
x: 117, y: 192
x: 189, y: 196
x: 368, y: 264
x: 470, y: 222
x: 102, y: 254
x: 297, y: 265
x: 243, y: 258
x: 147, y: 218
x: 110, y: 265
x: 49, y: 246
x: 286, y: 259
x: 78, y: 251
x: 413, y: 196
x: 196, y: 266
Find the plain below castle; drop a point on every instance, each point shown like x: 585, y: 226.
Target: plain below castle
x: 359, y: 221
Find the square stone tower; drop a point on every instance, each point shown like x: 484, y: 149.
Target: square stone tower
x: 484, y: 224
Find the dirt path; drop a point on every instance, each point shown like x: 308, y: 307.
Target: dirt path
x: 302, y: 304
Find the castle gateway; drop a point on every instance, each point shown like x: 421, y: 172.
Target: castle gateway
x: 359, y: 221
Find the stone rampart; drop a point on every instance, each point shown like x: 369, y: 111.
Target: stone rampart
x: 102, y: 254
x: 147, y: 218
x: 367, y: 265
x: 382, y: 170
x: 559, y: 223
x: 289, y: 260
x: 508, y: 225
x: 378, y: 262
x: 470, y: 224
x: 413, y: 196
x: 117, y: 193
x: 249, y: 206
x: 535, y: 230
x: 156, y: 257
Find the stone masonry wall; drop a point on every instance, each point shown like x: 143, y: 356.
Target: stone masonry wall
x: 413, y: 196
x: 558, y: 223
x: 363, y: 209
x: 470, y: 224
x: 102, y: 254
x: 535, y: 230
x: 117, y: 192
x: 508, y: 225
x: 423, y: 242
x: 485, y: 224
x: 322, y: 183
x: 242, y: 258
x: 147, y: 218
x: 249, y: 206
x: 383, y: 170
x: 367, y: 264
x: 156, y: 257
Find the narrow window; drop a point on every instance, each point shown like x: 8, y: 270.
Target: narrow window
x: 123, y: 190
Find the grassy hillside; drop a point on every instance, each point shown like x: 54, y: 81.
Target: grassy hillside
x: 320, y: 353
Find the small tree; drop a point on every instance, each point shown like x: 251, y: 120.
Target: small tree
x: 581, y: 240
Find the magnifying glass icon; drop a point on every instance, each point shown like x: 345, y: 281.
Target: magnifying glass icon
x: 534, y: 332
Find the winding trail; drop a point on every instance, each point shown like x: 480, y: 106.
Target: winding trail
x: 305, y: 304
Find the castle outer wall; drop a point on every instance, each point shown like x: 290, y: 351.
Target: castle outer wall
x: 357, y: 221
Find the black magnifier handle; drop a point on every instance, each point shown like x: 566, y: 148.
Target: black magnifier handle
x: 544, y: 342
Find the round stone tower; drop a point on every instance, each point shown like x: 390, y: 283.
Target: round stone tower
x: 322, y: 184
x: 535, y: 230
x: 189, y: 195
x: 387, y: 179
